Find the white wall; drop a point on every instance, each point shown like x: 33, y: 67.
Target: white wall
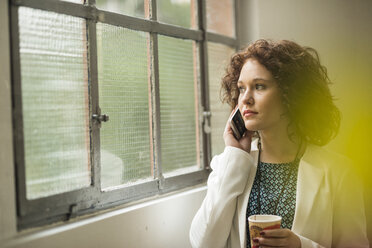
x: 7, y: 192
x: 158, y: 223
x: 341, y: 31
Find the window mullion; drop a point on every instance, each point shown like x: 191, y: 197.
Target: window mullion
x: 19, y: 152
x: 94, y: 103
x: 222, y: 39
x: 64, y: 7
x: 236, y: 24
x: 155, y: 97
x: 203, y: 58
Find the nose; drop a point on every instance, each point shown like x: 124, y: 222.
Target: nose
x: 247, y: 98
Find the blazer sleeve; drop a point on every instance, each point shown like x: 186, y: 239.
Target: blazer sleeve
x: 307, y: 243
x: 349, y: 220
x: 212, y: 223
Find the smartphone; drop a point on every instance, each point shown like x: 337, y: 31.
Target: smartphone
x: 237, y: 124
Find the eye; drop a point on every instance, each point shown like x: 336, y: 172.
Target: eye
x: 260, y: 87
x: 241, y: 89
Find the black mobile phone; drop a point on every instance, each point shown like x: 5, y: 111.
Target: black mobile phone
x: 237, y: 124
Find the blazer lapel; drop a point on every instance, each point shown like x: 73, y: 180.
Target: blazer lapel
x: 309, y: 182
x: 310, y: 190
x: 243, y: 199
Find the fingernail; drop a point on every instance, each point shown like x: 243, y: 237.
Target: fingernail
x: 262, y: 233
x: 255, y: 240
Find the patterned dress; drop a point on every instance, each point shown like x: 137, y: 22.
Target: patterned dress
x: 274, y: 192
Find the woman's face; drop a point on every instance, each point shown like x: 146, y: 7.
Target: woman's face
x: 259, y: 98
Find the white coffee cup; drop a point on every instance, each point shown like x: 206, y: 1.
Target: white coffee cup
x: 261, y: 222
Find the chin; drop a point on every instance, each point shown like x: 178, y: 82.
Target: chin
x: 251, y: 126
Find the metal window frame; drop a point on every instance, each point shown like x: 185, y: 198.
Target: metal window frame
x: 66, y: 205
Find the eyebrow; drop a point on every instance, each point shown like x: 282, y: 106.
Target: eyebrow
x: 257, y: 79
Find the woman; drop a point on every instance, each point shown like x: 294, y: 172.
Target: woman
x: 282, y: 92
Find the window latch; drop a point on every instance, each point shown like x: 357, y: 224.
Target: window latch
x: 73, y: 211
x: 100, y: 118
x: 207, y: 127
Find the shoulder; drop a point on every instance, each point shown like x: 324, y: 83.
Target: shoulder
x: 333, y: 164
x: 231, y: 155
x: 326, y: 157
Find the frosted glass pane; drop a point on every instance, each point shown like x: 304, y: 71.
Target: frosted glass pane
x: 127, y: 7
x: 177, y: 12
x: 177, y: 104
x: 221, y: 17
x: 55, y: 102
x: 218, y: 58
x: 124, y: 96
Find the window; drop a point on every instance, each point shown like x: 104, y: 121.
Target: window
x: 114, y: 101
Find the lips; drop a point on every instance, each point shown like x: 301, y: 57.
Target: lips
x: 247, y: 113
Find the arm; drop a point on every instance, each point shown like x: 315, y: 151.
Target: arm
x: 212, y: 223
x: 348, y: 216
x: 349, y: 220
x: 307, y: 243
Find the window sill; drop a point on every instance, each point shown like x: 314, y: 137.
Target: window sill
x: 162, y: 221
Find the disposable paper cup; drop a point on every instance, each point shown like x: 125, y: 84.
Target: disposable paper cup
x: 259, y: 223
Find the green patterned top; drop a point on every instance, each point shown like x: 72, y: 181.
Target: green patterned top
x: 274, y: 192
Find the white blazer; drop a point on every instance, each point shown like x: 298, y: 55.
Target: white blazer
x: 329, y: 201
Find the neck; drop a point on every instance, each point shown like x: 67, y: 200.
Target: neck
x: 276, y: 147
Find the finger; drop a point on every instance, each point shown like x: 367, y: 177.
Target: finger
x: 228, y: 127
x: 232, y: 112
x: 246, y: 139
x: 248, y: 134
x: 275, y: 233
x: 265, y: 246
x: 272, y: 242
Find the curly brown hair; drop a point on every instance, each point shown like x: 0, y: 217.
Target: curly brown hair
x: 303, y: 82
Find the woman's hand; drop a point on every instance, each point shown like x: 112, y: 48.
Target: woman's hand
x: 278, y: 238
x: 243, y: 143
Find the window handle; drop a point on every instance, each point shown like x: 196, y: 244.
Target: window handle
x: 100, y: 118
x: 207, y: 126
